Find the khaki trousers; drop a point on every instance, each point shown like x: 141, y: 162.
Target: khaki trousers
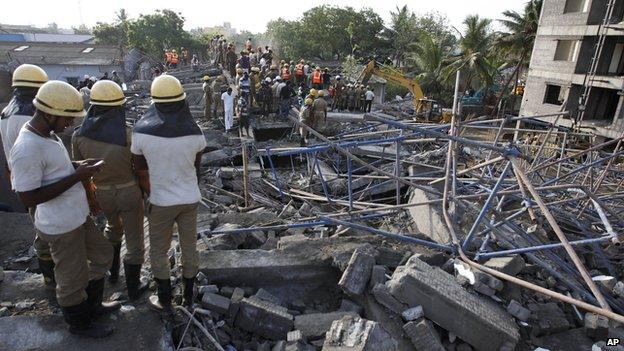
x: 161, y: 220
x: 123, y: 209
x: 42, y: 249
x: 79, y: 256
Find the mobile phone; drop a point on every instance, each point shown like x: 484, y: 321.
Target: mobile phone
x: 98, y: 163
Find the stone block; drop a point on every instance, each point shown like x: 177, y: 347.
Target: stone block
x: 518, y: 311
x: 550, y: 318
x: 378, y: 276
x: 358, y: 272
x: 478, y: 321
x: 423, y: 335
x: 315, y: 325
x: 216, y: 303
x: 262, y: 294
x: 413, y: 314
x: 596, y: 326
x: 350, y: 306
x: 264, y: 318
x: 357, y: 334
x: 385, y: 298
x: 508, y: 265
x: 294, y: 335
x: 203, y: 289
x: 237, y: 296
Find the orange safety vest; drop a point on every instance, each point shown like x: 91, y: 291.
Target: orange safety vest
x: 299, y: 72
x: 168, y: 57
x: 285, y: 74
x: 316, y: 78
x: 174, y: 58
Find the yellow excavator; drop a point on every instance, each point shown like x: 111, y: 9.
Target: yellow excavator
x: 427, y: 109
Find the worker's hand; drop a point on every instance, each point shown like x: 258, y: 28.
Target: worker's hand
x: 85, y: 172
x: 94, y: 206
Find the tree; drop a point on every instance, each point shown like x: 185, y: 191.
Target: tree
x: 115, y: 33
x: 156, y: 32
x: 426, y: 58
x: 474, y: 57
x: 402, y: 32
x: 516, y: 44
x: 82, y: 29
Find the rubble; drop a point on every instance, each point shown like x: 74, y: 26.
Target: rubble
x: 355, y: 333
x: 358, y: 272
x: 423, y: 335
x: 264, y: 318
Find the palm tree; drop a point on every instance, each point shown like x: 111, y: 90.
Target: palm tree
x: 474, y: 53
x: 517, y: 43
x: 426, y: 59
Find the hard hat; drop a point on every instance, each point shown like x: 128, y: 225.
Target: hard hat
x: 206, y: 78
x: 317, y: 68
x: 255, y: 69
x: 321, y: 93
x: 313, y: 92
x: 107, y: 93
x: 267, y: 79
x: 166, y: 88
x: 302, y: 61
x: 239, y: 71
x: 273, y: 66
x: 282, y: 62
x: 59, y: 99
x: 27, y: 75
x: 286, y: 65
x: 278, y: 78
x: 338, y: 77
x: 308, y: 101
x: 93, y: 79
x: 174, y: 50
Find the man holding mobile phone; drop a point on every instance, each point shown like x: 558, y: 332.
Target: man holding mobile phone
x: 44, y: 176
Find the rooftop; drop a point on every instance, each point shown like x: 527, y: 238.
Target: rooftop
x: 58, y: 53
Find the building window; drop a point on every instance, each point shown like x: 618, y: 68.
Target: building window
x: 573, y: 6
x: 554, y: 94
x: 567, y: 50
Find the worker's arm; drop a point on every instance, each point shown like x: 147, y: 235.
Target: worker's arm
x: 142, y: 172
x: 46, y: 193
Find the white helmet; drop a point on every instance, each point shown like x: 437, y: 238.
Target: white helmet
x: 338, y: 77
x: 267, y: 79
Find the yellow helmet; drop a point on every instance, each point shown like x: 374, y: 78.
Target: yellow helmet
x: 166, y: 88
x: 308, y: 101
x: 274, y: 66
x: 59, y: 99
x: 313, y: 92
x: 206, y: 78
x: 27, y: 75
x: 321, y: 93
x: 107, y: 93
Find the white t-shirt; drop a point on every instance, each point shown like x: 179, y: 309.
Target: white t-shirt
x: 9, y: 130
x: 36, y: 161
x: 171, y: 163
x: 370, y: 95
x: 228, y: 100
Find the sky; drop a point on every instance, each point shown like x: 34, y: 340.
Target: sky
x: 242, y: 14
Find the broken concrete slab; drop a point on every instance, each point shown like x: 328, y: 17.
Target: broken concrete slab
x: 428, y: 218
x: 384, y: 297
x: 26, y: 333
x: 478, y: 321
x: 550, y: 319
x: 378, y: 275
x: 517, y: 310
x: 509, y: 265
x: 357, y: 334
x: 314, y: 326
x: 358, y: 272
x: 423, y: 335
x: 596, y: 326
x: 264, y: 318
x: 216, y: 303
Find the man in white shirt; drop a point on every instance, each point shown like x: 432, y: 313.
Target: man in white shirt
x: 26, y: 82
x: 167, y: 146
x: 228, y: 108
x: 44, y: 176
x: 370, y: 96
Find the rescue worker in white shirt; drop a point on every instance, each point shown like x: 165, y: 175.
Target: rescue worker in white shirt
x: 370, y: 96
x: 26, y: 82
x: 103, y: 135
x: 167, y: 146
x: 44, y: 176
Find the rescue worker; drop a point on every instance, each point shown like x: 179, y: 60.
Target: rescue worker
x: 264, y: 97
x: 286, y: 72
x: 25, y: 83
x: 273, y: 72
x: 317, y: 79
x: 184, y: 56
x: 312, y: 94
x: 319, y: 108
x: 117, y: 79
x: 228, y: 108
x: 174, y: 59
x: 244, y: 61
x: 218, y: 87
x: 166, y: 148
x: 254, y: 84
x: 326, y: 79
x: 286, y: 94
x: 338, y: 94
x: 357, y: 96
x: 277, y: 86
x: 299, y: 73
x: 306, y: 116
x: 350, y: 97
x: 248, y: 45
x: 370, y: 96
x: 44, y: 176
x: 103, y: 135
x: 168, y: 57
x: 206, y: 87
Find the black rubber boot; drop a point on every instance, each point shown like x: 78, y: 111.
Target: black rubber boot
x: 79, y: 319
x: 47, y: 270
x: 114, y: 270
x: 95, y: 294
x: 133, y: 281
x: 189, y: 292
x: 162, y: 301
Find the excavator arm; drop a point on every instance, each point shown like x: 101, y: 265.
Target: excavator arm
x: 394, y: 75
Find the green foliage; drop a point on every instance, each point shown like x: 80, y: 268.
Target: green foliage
x: 426, y: 61
x: 115, y: 33
x: 82, y: 29
x: 393, y: 89
x: 158, y: 31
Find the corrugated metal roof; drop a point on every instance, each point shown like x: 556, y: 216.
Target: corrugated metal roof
x: 58, y: 38
x: 12, y: 37
x: 59, y: 54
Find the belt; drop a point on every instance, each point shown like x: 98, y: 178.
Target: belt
x: 116, y: 186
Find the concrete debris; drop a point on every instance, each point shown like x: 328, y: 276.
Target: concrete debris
x: 596, y: 326
x: 216, y: 303
x: 413, y: 314
x: 423, y: 335
x: 355, y: 333
x: 264, y: 318
x: 518, y: 311
x: 550, y: 318
x: 357, y: 274
x: 314, y: 326
x: 508, y: 265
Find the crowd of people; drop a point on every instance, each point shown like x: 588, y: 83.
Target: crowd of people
x: 150, y: 169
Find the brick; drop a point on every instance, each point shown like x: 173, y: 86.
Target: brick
x: 518, y: 311
x: 596, y: 326
x: 476, y: 320
x: 385, y: 298
x: 264, y: 318
x: 508, y: 265
x: 216, y: 303
x: 237, y: 296
x: 423, y: 335
x: 203, y: 289
x: 413, y: 314
x: 357, y: 274
x: 358, y: 334
x: 315, y: 325
x: 294, y: 335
